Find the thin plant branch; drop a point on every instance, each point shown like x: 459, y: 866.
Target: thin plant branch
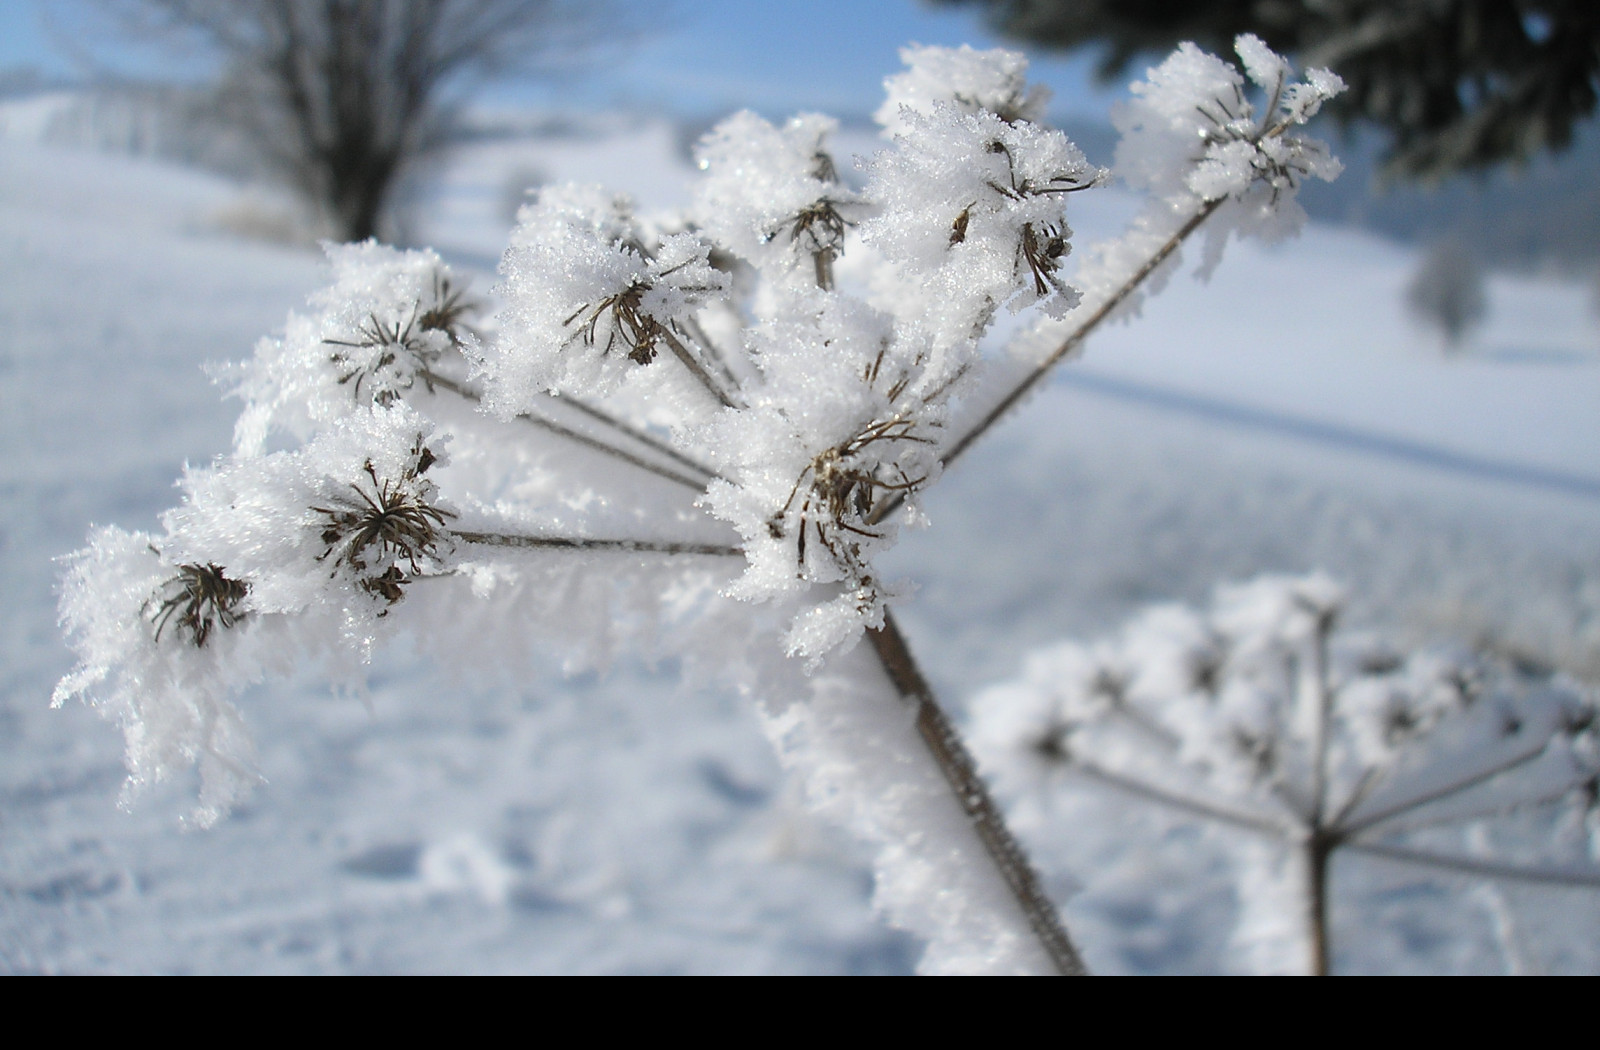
x: 641, y: 436
x: 580, y: 438
x: 1083, y: 331
x: 1323, y: 698
x: 1455, y: 787
x: 585, y: 543
x: 697, y: 332
x: 1369, y: 780
x: 695, y: 368
x: 1184, y: 804
x: 1488, y: 812
x: 961, y: 773
x: 1485, y: 868
x: 1150, y: 727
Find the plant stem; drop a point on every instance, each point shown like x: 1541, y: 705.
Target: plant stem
x: 1194, y: 807
x: 1323, y: 698
x: 502, y: 539
x: 824, y: 267
x: 643, y: 437
x: 697, y: 332
x: 695, y: 368
x: 1319, y: 851
x: 584, y: 439
x: 1445, y: 791
x: 1405, y: 827
x: 1083, y: 331
x: 1483, y: 868
x: 961, y: 773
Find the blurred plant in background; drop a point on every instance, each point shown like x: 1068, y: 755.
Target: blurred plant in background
x: 1260, y: 717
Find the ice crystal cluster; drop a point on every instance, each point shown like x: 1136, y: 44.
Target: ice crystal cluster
x: 696, y: 430
x: 1259, y: 715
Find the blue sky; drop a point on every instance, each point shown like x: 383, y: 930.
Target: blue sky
x: 691, y: 56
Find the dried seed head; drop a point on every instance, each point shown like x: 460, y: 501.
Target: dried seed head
x: 386, y: 524
x: 958, y: 229
x: 637, y: 331
x: 838, y: 490
x: 387, y: 358
x: 1258, y: 750
x: 450, y: 308
x: 1042, y: 249
x: 201, y: 597
x: 1054, y: 745
x: 818, y: 229
x: 822, y: 166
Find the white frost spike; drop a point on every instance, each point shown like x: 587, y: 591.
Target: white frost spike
x: 370, y: 339
x: 973, y: 211
x: 772, y: 195
x: 171, y: 697
x: 587, y: 303
x: 271, y: 519
x: 973, y: 81
x: 557, y: 210
x: 1264, y: 66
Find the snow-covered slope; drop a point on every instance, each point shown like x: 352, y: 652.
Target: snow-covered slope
x: 1284, y: 417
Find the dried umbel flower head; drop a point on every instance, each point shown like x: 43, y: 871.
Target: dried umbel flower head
x: 201, y: 597
x: 1042, y: 250
x: 818, y: 229
x: 386, y: 523
x: 387, y: 357
x: 449, y: 310
x: 638, y: 331
x: 838, y: 490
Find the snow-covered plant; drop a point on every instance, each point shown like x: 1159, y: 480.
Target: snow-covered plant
x: 1260, y: 715
x: 689, y: 435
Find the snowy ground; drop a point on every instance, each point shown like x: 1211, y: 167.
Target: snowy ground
x: 1283, y: 418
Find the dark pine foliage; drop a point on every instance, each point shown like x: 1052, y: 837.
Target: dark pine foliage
x: 1456, y: 84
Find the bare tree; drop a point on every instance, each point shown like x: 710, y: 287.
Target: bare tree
x: 1447, y: 291
x: 342, y: 97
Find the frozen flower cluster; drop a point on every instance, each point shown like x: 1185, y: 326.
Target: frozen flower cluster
x: 697, y: 430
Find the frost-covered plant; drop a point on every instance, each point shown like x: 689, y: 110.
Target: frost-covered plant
x: 691, y: 434
x: 1260, y: 715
